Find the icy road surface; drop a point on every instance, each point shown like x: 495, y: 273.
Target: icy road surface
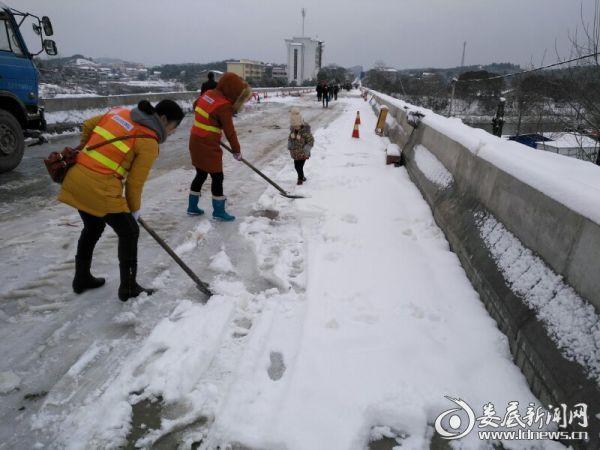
x: 335, y: 315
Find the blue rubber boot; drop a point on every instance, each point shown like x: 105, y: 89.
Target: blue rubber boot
x: 193, y: 209
x: 219, y: 210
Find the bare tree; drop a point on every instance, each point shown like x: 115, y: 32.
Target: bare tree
x: 582, y: 112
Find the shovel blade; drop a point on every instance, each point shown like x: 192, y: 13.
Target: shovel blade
x: 292, y: 196
x: 205, y: 290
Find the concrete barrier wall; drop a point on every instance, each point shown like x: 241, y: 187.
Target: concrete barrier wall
x: 568, y: 242
x: 81, y: 103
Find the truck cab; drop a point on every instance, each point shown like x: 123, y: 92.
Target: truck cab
x: 21, y: 116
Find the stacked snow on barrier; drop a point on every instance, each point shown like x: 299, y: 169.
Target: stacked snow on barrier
x: 572, y: 182
x: 572, y: 323
x: 77, y: 116
x: 432, y: 168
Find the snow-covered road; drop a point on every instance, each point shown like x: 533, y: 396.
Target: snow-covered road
x: 338, y: 318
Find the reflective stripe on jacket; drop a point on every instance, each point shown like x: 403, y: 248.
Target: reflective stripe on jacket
x: 204, y: 124
x: 108, y: 159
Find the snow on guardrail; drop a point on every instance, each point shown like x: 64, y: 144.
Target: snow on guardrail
x: 571, y: 182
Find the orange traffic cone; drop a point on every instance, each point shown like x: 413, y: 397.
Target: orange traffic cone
x: 357, y: 118
x: 355, y: 131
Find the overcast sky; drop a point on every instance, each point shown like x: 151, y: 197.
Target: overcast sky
x: 403, y: 33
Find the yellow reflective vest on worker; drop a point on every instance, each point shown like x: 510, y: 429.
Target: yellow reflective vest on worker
x: 108, y: 158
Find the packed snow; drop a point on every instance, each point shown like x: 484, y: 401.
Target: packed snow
x: 432, y: 168
x: 386, y: 308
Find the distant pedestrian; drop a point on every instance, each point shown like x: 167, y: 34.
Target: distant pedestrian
x: 214, y: 111
x: 336, y: 90
x: 208, y: 84
x: 300, y: 142
x: 319, y: 92
x: 106, y: 183
x: 325, y: 96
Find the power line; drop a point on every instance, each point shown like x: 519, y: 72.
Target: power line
x: 537, y: 69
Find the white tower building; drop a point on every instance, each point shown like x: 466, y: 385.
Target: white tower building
x: 305, y: 58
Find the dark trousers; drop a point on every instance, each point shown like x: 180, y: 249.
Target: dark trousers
x: 124, y: 225
x: 216, y: 186
x: 299, y: 166
x: 325, y: 100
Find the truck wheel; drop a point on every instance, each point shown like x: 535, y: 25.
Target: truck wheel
x: 12, y: 142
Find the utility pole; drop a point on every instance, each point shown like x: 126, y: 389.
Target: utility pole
x: 303, y: 11
x: 454, y: 81
x: 451, y: 105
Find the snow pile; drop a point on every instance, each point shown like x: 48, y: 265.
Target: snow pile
x: 572, y: 182
x: 571, y: 322
x: 432, y: 168
x: 221, y: 263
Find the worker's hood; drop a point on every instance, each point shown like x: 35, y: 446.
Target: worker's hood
x: 151, y: 121
x: 236, y: 90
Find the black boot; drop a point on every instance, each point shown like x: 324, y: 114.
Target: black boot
x: 129, y: 287
x: 83, y: 278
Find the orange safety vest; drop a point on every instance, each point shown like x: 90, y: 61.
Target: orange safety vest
x: 108, y: 159
x: 205, y: 126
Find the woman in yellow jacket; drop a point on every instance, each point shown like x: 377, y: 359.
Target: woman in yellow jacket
x: 105, y: 185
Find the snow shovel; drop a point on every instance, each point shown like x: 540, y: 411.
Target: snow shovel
x: 266, y: 178
x: 201, y: 285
